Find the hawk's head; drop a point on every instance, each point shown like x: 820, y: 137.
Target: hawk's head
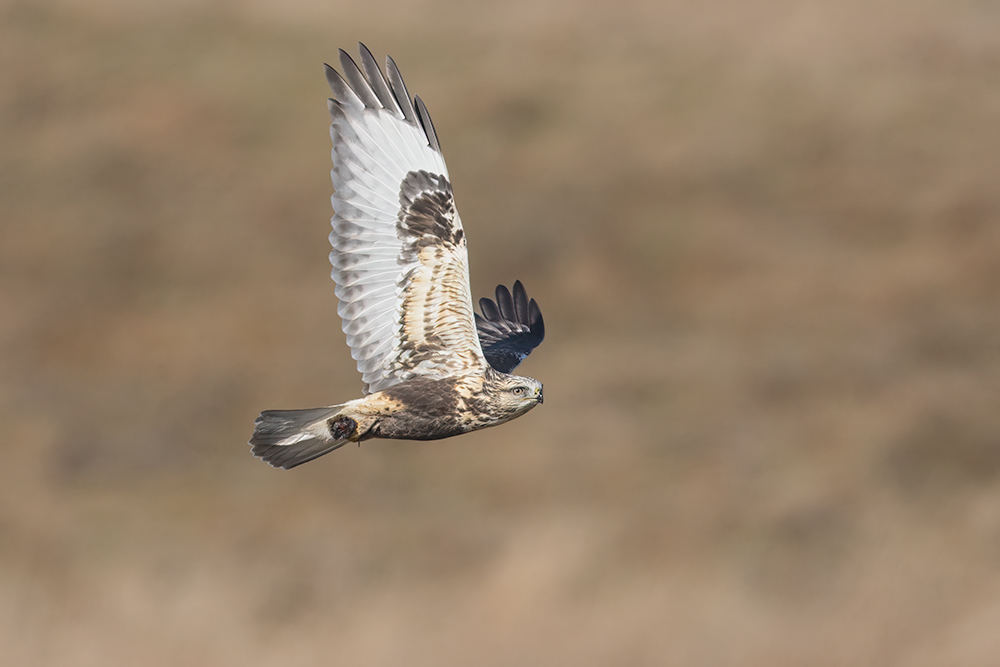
x: 513, y: 395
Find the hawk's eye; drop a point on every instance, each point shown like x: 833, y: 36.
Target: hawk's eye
x: 518, y: 391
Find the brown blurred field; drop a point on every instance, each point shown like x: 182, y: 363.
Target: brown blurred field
x: 766, y: 239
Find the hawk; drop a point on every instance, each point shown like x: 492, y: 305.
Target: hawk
x: 432, y: 367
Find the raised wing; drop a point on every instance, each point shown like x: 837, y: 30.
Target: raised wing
x: 399, y: 253
x: 510, y: 328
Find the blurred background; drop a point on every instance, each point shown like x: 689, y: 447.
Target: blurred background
x: 765, y: 239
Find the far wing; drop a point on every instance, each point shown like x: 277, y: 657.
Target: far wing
x: 399, y: 253
x: 510, y: 328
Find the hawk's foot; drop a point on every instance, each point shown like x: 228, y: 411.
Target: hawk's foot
x: 342, y: 428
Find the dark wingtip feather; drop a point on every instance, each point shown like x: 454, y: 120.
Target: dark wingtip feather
x: 535, y: 319
x: 505, y: 302
x: 521, y: 302
x: 399, y: 90
x: 359, y: 84
x: 342, y: 91
x: 331, y: 76
x: 489, y: 309
x: 377, y: 79
x: 427, y: 124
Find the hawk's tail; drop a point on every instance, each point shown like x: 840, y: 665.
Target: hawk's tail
x: 287, y: 438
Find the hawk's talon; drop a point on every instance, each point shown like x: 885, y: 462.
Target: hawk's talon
x: 342, y: 428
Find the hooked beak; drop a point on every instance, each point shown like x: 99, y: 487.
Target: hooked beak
x: 539, y: 397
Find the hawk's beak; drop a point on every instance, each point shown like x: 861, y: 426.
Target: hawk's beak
x: 541, y: 399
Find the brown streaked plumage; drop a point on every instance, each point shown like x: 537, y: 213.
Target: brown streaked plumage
x: 432, y: 367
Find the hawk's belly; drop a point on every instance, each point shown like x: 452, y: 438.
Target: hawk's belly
x: 425, y: 409
x: 410, y: 427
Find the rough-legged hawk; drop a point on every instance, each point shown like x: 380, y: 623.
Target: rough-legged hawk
x: 432, y: 367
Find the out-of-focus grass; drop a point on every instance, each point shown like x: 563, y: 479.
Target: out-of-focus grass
x: 765, y: 237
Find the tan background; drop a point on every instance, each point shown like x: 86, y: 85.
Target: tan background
x: 766, y: 239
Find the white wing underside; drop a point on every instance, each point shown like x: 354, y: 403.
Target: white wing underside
x: 404, y: 295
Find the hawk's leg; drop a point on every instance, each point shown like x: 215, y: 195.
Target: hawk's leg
x: 342, y: 428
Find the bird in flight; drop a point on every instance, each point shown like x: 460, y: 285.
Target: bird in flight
x: 432, y: 367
